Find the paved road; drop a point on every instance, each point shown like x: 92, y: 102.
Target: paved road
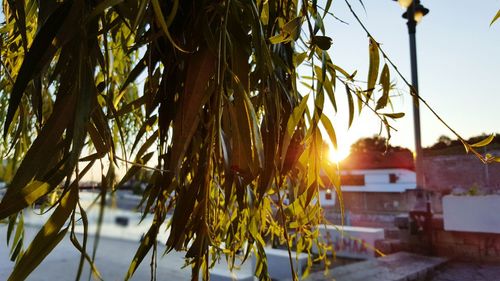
x: 461, y: 271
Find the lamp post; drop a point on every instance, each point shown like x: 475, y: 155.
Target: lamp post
x: 414, y: 14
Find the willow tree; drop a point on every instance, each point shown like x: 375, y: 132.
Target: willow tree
x: 204, y: 93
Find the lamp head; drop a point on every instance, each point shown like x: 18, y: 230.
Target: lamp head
x: 404, y: 3
x: 419, y: 13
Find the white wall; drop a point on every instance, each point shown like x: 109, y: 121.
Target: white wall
x: 472, y: 213
x: 377, y: 180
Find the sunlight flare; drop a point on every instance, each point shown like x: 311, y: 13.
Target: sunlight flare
x: 338, y: 154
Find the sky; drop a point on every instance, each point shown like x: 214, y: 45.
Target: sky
x: 458, y: 66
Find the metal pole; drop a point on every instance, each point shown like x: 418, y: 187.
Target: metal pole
x: 416, y: 110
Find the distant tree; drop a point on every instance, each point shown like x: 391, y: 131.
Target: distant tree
x: 445, y: 142
x: 377, y: 153
x: 373, y: 144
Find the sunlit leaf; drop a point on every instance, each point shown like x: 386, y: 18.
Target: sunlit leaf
x: 374, y: 65
x: 495, y: 18
x: 394, y: 115
x: 386, y: 84
x: 47, y: 238
x: 329, y: 129
x: 484, y: 142
x: 31, y: 62
x: 350, y: 103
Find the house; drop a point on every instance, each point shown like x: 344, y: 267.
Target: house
x: 374, y: 188
x: 369, y: 180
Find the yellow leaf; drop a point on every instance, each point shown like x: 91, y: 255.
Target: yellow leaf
x: 484, y: 142
x: 497, y: 16
x: 374, y: 65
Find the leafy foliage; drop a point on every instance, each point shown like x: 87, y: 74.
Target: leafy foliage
x: 203, y: 93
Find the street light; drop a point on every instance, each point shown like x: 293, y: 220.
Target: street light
x: 421, y: 215
x: 414, y: 14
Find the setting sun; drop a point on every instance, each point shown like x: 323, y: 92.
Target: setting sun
x: 337, y: 155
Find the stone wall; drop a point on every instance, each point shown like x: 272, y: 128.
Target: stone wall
x: 460, y: 172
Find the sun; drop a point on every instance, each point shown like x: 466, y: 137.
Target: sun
x: 337, y: 155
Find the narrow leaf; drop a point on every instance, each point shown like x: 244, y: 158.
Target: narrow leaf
x: 30, y: 65
x: 329, y: 129
x: 47, y: 238
x: 385, y: 82
x: 374, y: 65
x: 484, y: 142
x: 497, y: 16
x: 350, y: 102
x: 394, y: 115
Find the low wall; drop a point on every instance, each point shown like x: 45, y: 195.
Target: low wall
x: 456, y: 245
x: 464, y: 246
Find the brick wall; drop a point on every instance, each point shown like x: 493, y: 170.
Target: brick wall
x: 456, y: 245
x: 443, y: 173
x: 465, y: 246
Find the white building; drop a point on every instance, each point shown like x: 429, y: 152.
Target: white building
x: 370, y: 180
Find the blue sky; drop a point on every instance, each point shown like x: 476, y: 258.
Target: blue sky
x: 458, y: 61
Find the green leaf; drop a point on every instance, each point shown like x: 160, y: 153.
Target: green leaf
x: 340, y: 69
x: 291, y: 126
x: 327, y: 7
x: 29, y: 195
x: 322, y: 42
x: 135, y: 168
x: 289, y: 32
x: 147, y: 242
x: 18, y: 237
x: 329, y: 88
x: 164, y: 25
x: 102, y: 6
x: 280, y: 38
x: 329, y: 129
x: 200, y: 69
x: 386, y: 84
x: 251, y: 118
x: 495, y: 18
x: 21, y: 192
x: 299, y: 58
x: 292, y: 28
x: 350, y: 102
x: 31, y: 63
x: 47, y: 238
x: 394, y: 115
x: 373, y: 68
x: 484, y: 142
